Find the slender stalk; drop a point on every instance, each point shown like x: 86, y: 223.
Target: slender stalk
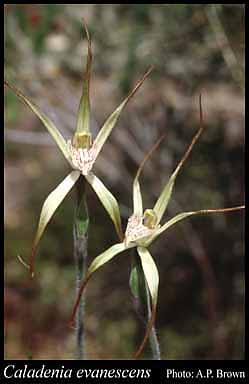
x: 80, y: 236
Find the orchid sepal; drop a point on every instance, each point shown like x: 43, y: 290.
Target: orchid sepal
x: 98, y: 262
x: 164, y: 198
x: 49, y: 207
x: 113, y: 118
x: 57, y: 136
x: 83, y: 116
x: 108, y: 201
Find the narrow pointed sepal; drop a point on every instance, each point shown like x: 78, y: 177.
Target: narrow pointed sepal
x: 49, y: 207
x: 83, y: 118
x: 113, y: 118
x: 98, y: 262
x: 152, y: 280
x: 58, y: 138
x: 108, y: 200
x: 137, y: 196
x: 163, y: 200
x: 184, y: 215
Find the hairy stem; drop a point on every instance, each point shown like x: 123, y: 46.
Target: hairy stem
x: 80, y: 237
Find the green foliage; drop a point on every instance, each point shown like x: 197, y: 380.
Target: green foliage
x: 137, y: 282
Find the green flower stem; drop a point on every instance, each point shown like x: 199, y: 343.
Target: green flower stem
x: 80, y: 235
x: 144, y: 298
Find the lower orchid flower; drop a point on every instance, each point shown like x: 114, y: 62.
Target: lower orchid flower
x: 142, y: 229
x: 81, y: 153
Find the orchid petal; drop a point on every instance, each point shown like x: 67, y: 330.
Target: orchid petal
x: 150, y: 272
x: 49, y: 207
x: 83, y: 118
x: 108, y: 200
x: 137, y: 197
x: 165, y: 196
x: 152, y: 279
x: 58, y: 138
x: 111, y: 121
x: 98, y: 262
x: 184, y: 215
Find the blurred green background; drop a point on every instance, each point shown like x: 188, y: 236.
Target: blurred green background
x: 195, y: 48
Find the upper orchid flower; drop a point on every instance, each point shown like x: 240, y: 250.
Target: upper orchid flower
x: 142, y: 229
x: 81, y: 153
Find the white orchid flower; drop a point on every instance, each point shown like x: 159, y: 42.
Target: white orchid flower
x: 143, y: 227
x: 81, y: 153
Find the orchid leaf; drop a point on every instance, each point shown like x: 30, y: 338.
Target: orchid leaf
x: 165, y: 196
x: 113, y: 118
x: 184, y: 215
x: 58, y: 138
x: 98, y: 262
x: 49, y: 207
x: 108, y: 201
x: 83, y: 118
